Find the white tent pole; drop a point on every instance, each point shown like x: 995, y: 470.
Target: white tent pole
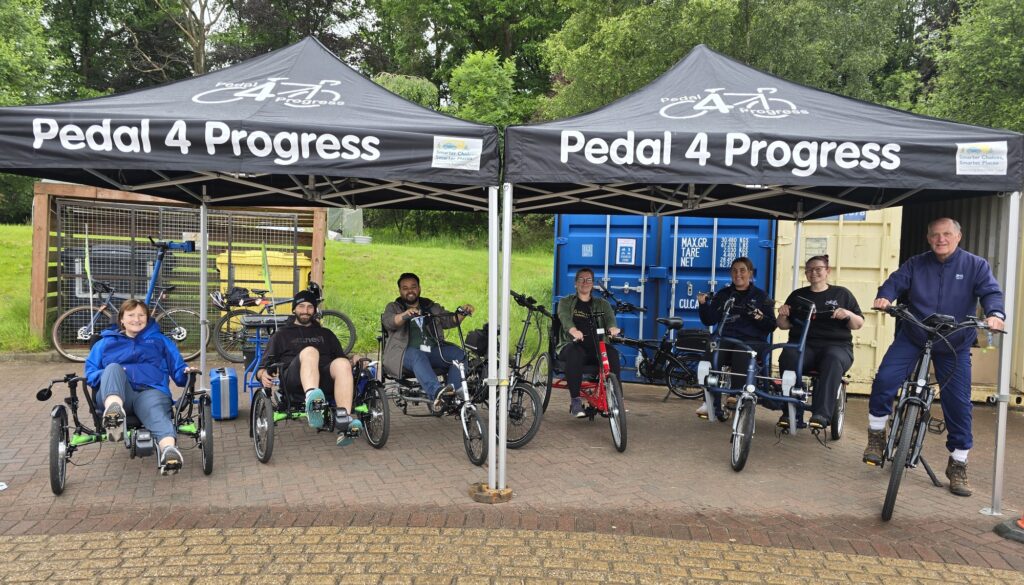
x: 492, y: 332
x: 605, y: 279
x: 204, y: 326
x: 1005, y: 355
x: 675, y: 266
x: 797, y: 240
x: 506, y: 284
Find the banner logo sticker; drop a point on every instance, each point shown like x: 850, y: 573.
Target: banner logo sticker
x: 981, y: 158
x: 451, y: 152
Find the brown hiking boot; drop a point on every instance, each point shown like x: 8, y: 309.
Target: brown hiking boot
x: 876, y: 447
x: 956, y: 472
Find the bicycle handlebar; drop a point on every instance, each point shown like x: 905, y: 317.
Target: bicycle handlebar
x: 946, y: 325
x: 620, y: 306
x: 187, y: 246
x: 529, y: 303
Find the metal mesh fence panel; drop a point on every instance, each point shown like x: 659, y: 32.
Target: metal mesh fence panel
x: 120, y: 253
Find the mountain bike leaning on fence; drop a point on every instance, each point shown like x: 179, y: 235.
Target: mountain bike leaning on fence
x: 673, y: 363
x: 75, y: 329
x: 230, y: 336
x: 912, y: 418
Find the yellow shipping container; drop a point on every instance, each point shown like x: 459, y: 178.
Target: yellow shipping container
x: 862, y: 254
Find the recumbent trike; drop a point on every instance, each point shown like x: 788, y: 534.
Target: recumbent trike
x: 191, y: 415
x: 791, y: 392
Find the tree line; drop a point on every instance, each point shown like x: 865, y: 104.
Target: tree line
x: 506, y: 62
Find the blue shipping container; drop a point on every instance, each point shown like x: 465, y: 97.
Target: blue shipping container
x: 660, y: 263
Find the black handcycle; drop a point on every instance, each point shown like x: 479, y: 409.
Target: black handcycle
x: 191, y: 414
x: 407, y: 392
x: 911, y: 418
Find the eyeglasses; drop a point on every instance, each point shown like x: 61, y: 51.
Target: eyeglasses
x: 814, y: 269
x: 585, y: 280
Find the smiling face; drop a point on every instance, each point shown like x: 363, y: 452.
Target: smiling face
x: 584, y: 283
x: 409, y: 290
x: 817, y: 272
x: 943, y: 237
x: 304, y: 313
x: 134, y: 320
x: 741, y: 275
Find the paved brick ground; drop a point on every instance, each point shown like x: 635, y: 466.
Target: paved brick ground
x: 448, y: 556
x: 673, y: 482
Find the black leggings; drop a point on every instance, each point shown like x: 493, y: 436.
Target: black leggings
x: 577, y: 355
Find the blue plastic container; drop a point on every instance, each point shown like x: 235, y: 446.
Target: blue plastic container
x: 224, y: 393
x: 645, y: 259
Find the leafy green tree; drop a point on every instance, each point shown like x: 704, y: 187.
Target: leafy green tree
x: 111, y: 46
x: 415, y: 89
x: 483, y: 90
x: 429, y: 38
x: 981, y: 70
x: 260, y: 26
x: 25, y: 66
x: 607, y: 50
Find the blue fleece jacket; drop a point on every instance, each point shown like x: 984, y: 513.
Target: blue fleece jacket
x: 953, y: 287
x: 148, y: 359
x: 741, y: 324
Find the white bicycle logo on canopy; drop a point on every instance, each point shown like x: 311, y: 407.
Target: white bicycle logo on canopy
x: 756, y: 104
x: 298, y: 95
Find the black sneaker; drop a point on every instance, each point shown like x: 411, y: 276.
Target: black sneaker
x: 170, y: 461
x: 113, y: 421
x: 818, y: 421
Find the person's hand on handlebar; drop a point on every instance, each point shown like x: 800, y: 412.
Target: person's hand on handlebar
x: 576, y: 334
x: 881, y: 304
x: 702, y: 297
x: 995, y: 323
x: 406, y: 315
x: 465, y: 311
x: 614, y: 331
x: 784, y: 311
x: 265, y: 378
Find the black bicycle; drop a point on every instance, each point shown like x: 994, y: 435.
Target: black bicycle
x: 230, y: 337
x: 524, y: 400
x: 664, y: 361
x: 912, y: 418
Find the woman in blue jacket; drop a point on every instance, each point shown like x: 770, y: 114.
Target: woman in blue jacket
x: 751, y: 319
x: 130, y: 364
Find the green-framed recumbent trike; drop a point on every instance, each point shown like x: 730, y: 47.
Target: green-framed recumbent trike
x: 190, y: 413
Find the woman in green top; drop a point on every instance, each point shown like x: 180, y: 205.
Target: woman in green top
x: 581, y: 314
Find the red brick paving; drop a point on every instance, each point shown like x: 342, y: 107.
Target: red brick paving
x: 673, y: 481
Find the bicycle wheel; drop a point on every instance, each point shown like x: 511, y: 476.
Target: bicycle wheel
x: 262, y: 425
x: 474, y: 436
x: 899, y: 460
x: 616, y: 411
x: 376, y: 422
x: 681, y: 375
x: 58, y: 450
x: 183, y: 327
x: 541, y: 378
x: 524, y: 414
x: 205, y: 434
x: 342, y: 326
x: 229, y: 335
x: 838, y: 413
x: 73, y: 331
x: 742, y: 437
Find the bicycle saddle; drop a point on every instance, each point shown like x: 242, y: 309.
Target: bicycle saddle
x: 671, y: 322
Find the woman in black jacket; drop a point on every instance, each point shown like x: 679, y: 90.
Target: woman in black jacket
x: 751, y: 319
